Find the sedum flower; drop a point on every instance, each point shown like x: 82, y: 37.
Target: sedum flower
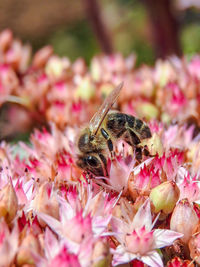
x: 29, y: 246
x: 141, y: 183
x: 147, y: 110
x: 184, y: 219
x: 80, y: 221
x: 194, y: 246
x: 42, y: 56
x: 164, y: 197
x: 101, y: 254
x: 177, y: 262
x: 194, y: 67
x: 8, y: 243
x: 119, y: 170
x: 45, y: 201
x: 80, y: 241
x: 56, y: 66
x: 64, y: 259
x: 8, y: 202
x: 6, y: 38
x: 138, y: 240
x: 85, y: 90
x: 189, y: 188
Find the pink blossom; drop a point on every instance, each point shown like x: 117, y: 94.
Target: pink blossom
x: 189, y: 188
x: 119, y: 170
x: 8, y: 243
x: 138, y: 239
x: 65, y: 259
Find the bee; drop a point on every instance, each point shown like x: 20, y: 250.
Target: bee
x: 104, y: 128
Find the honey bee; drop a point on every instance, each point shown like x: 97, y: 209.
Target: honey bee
x: 105, y: 127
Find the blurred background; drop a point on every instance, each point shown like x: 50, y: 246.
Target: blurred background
x: 150, y: 28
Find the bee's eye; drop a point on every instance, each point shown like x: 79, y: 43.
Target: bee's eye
x: 91, y: 137
x: 92, y: 161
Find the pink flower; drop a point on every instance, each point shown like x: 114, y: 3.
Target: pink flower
x: 80, y: 219
x: 41, y: 57
x: 119, y: 170
x: 8, y: 202
x: 56, y: 253
x: 144, y: 181
x: 169, y: 162
x: 189, y: 188
x: 194, y: 67
x: 184, y: 219
x: 46, y: 201
x: 8, y: 243
x: 177, y: 262
x: 65, y: 259
x: 138, y: 239
x: 6, y: 38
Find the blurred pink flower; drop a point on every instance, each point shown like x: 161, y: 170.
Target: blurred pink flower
x: 8, y: 243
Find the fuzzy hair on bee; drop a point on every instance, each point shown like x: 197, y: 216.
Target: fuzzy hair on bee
x: 106, y: 126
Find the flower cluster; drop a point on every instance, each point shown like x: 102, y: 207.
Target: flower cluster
x: 52, y: 213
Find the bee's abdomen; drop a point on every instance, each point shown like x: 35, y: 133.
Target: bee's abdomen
x: 127, y: 127
x: 116, y: 124
x: 141, y: 128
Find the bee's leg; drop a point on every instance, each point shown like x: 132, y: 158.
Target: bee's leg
x: 146, y: 151
x: 104, y: 161
x: 109, y: 142
x: 138, y: 153
x: 131, y: 138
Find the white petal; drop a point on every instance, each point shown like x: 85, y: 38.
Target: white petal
x: 120, y: 228
x: 66, y: 210
x: 152, y: 259
x: 121, y: 256
x: 181, y: 174
x: 52, y: 223
x: 138, y: 168
x: 165, y: 237
x: 100, y: 224
x: 51, y: 244
x: 143, y: 217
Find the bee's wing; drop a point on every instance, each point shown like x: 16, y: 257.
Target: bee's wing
x: 99, y: 116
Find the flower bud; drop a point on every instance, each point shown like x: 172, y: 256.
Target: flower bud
x: 123, y: 206
x: 101, y: 254
x: 184, y: 219
x: 8, y: 203
x: 42, y: 56
x: 194, y: 246
x: 6, y: 38
x: 147, y: 110
x: 64, y: 258
x: 155, y: 145
x: 177, y: 262
x: 165, y: 196
x: 29, y: 245
x: 96, y: 69
x: 46, y: 202
x: 55, y: 66
x: 85, y: 90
